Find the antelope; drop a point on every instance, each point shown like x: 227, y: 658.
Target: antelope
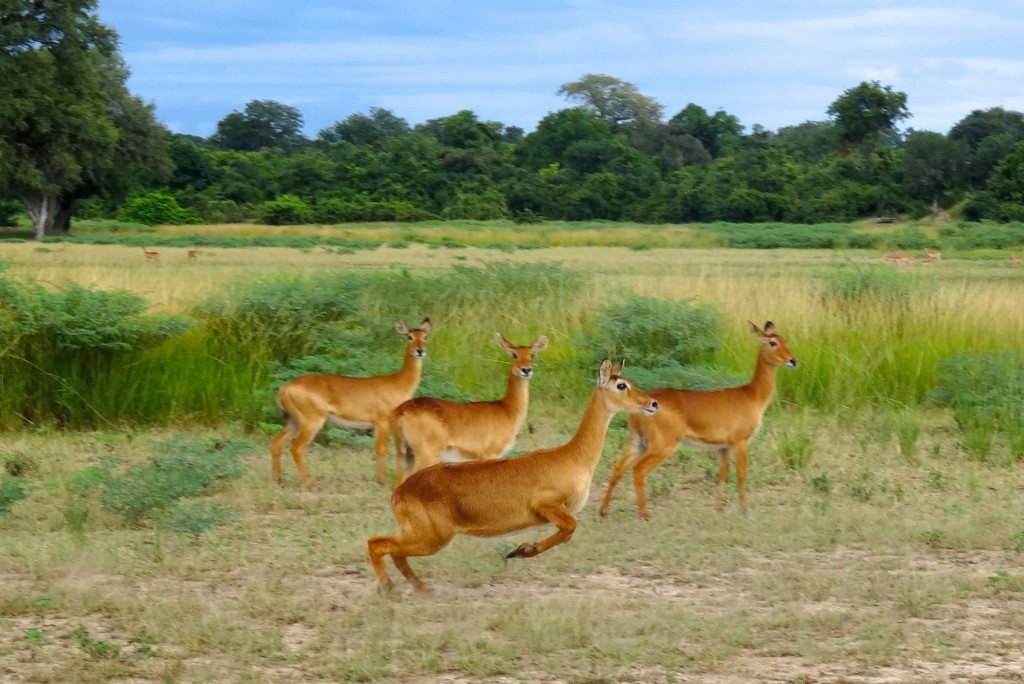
x: 309, y: 401
x: 723, y: 419
x: 193, y: 253
x: 1014, y: 258
x: 492, y: 498
x: 927, y: 262
x: 902, y: 259
x: 934, y: 256
x: 426, y: 430
x: 151, y: 254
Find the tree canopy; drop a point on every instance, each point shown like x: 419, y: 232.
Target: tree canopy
x: 69, y: 128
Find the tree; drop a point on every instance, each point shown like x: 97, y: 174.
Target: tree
x: 933, y: 165
x: 990, y: 134
x: 366, y: 129
x: 611, y: 99
x: 719, y: 133
x: 265, y: 124
x: 69, y: 128
x: 866, y: 112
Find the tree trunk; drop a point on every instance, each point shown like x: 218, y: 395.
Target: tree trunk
x: 50, y: 214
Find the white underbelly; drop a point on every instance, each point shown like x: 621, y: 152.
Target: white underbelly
x: 453, y: 456
x: 353, y: 424
x: 690, y: 441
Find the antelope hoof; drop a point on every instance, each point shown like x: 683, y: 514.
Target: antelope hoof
x: 522, y: 550
x: 645, y: 515
x: 386, y: 588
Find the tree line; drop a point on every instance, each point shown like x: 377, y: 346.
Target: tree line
x: 75, y: 142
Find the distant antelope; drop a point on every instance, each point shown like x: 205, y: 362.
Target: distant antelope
x: 193, y: 253
x: 309, y: 401
x: 934, y: 256
x: 901, y: 259
x: 723, y: 420
x: 927, y: 262
x: 493, y: 498
x: 151, y: 254
x: 1014, y: 258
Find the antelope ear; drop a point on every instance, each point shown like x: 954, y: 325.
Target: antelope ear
x: 769, y: 328
x: 605, y: 374
x: 401, y: 327
x: 541, y: 343
x: 425, y: 325
x: 754, y: 329
x: 504, y: 344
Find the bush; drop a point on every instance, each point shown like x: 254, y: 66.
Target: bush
x: 157, y: 208
x: 986, y: 395
x: 286, y: 210
x: 12, y: 490
x: 664, y: 343
x: 149, y: 493
x: 10, y: 210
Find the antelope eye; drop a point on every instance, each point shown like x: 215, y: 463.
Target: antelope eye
x: 773, y: 344
x: 621, y: 386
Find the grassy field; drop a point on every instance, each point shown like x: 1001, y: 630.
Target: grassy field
x: 880, y: 546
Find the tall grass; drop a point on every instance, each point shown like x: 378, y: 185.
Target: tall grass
x: 864, y: 333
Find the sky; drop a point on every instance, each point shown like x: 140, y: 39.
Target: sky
x: 770, y: 63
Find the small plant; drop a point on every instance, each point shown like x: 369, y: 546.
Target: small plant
x: 795, y: 449
x: 34, y: 635
x: 12, y: 490
x: 19, y: 464
x: 1017, y: 541
x: 95, y: 648
x: 907, y: 431
x: 822, y: 483
x: 934, y: 538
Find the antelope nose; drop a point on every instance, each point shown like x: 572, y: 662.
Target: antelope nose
x: 526, y: 372
x: 792, y: 363
x: 420, y: 353
x: 654, y: 405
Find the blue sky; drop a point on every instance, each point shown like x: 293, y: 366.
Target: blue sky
x: 772, y: 63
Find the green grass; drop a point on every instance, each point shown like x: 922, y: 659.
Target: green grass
x: 879, y: 544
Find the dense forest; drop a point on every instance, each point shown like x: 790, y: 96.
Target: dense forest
x: 75, y: 143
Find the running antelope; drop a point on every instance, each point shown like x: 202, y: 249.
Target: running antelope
x: 193, y: 253
x: 427, y: 430
x: 902, y: 259
x: 307, y: 402
x: 150, y: 254
x: 492, y: 498
x: 723, y: 419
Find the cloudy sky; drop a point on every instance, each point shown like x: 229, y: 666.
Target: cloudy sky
x: 770, y: 63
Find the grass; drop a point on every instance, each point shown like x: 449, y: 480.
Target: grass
x: 882, y: 570
x: 878, y: 547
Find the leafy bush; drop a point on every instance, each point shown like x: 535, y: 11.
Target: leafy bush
x: 286, y: 210
x: 986, y: 395
x: 9, y: 212
x: 157, y: 208
x: 664, y: 343
x: 12, y: 490
x: 149, y: 493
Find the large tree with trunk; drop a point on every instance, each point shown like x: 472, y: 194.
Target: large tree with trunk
x: 69, y: 128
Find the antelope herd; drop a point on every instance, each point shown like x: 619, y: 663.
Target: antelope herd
x: 437, y: 497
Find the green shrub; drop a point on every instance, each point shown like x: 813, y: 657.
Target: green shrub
x: 157, y: 208
x: 985, y: 393
x: 664, y: 343
x: 149, y: 493
x: 12, y: 490
x: 285, y: 210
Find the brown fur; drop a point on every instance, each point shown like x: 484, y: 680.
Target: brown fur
x: 150, y: 254
x: 722, y: 419
x: 491, y: 498
x: 424, y: 428
x: 308, y: 401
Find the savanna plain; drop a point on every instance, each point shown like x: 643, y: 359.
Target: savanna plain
x: 884, y: 540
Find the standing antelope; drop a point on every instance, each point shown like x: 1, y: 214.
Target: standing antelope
x: 491, y: 498
x: 426, y: 430
x: 934, y: 256
x: 722, y: 419
x: 307, y: 402
x: 150, y: 254
x: 193, y: 253
x: 1014, y: 258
